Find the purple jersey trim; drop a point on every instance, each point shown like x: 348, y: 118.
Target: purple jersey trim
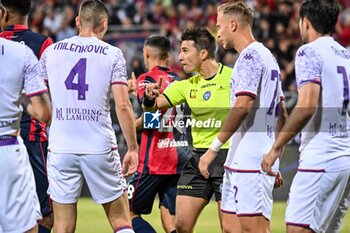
x: 37, y: 93
x: 311, y: 170
x: 228, y: 212
x: 251, y: 94
x: 241, y: 170
x: 298, y: 224
x: 122, y: 228
x: 6, y: 140
x: 316, y: 81
x: 249, y: 214
x: 118, y: 82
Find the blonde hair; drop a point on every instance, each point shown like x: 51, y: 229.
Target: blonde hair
x: 239, y: 9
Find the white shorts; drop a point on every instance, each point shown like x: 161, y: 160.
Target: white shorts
x: 20, y: 208
x: 319, y: 200
x: 102, y: 174
x: 247, y: 194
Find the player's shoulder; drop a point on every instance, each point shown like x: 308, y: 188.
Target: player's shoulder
x: 15, y: 47
x: 308, y: 50
x: 111, y: 49
x: 224, y: 69
x: 36, y: 35
x: 254, y: 53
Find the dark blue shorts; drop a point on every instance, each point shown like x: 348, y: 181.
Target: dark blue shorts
x: 38, y: 156
x: 144, y: 187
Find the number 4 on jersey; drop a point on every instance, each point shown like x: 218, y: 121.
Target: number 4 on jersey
x: 80, y: 70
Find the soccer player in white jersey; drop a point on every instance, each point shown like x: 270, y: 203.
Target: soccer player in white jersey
x: 19, y: 71
x: 256, y: 103
x: 82, y: 72
x: 320, y: 192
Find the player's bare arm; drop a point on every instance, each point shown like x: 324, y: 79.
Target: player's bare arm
x: 280, y: 123
x: 152, y: 98
x: 300, y: 116
x: 125, y: 113
x: 39, y: 107
x: 234, y: 119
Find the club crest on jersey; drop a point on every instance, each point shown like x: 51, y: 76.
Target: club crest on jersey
x: 151, y: 120
x: 193, y: 93
x: 207, y: 95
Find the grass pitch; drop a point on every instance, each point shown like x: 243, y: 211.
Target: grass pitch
x: 92, y: 219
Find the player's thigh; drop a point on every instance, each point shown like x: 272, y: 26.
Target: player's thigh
x: 253, y: 194
x: 19, y: 203
x: 333, y: 202
x: 336, y: 222
x: 65, y: 177
x: 142, y: 190
x: 103, y: 176
x: 167, y: 193
x: 304, y: 196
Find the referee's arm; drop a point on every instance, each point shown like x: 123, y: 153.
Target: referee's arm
x: 152, y: 100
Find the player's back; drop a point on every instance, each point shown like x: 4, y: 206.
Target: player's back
x: 80, y: 72
x: 326, y: 62
x: 255, y: 74
x: 16, y: 61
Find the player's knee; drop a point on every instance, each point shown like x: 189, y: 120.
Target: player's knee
x: 183, y: 227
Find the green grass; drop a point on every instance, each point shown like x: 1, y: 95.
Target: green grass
x: 91, y: 219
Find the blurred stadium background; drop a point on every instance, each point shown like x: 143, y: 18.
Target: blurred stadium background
x: 131, y: 21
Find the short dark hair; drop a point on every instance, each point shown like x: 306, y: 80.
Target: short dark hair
x: 202, y: 39
x: 322, y: 14
x: 161, y: 43
x: 92, y: 12
x: 20, y: 6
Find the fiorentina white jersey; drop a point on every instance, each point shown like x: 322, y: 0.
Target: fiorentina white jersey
x: 19, y: 70
x: 80, y: 72
x: 326, y: 136
x: 256, y: 74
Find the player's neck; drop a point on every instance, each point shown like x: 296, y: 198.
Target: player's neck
x: 209, y: 68
x: 244, y: 40
x: 89, y: 32
x: 17, y: 19
x: 314, y: 35
x: 155, y: 63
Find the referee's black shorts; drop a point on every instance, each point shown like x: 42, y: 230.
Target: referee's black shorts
x: 192, y: 183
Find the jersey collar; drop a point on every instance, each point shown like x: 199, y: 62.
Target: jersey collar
x: 162, y: 68
x: 16, y: 27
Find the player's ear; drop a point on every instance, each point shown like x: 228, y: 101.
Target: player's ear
x: 104, y: 25
x: 77, y: 22
x: 233, y: 25
x: 203, y: 54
